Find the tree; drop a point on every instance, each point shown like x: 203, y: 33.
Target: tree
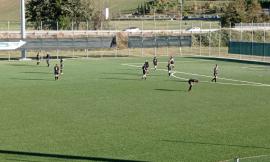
x: 235, y: 13
x: 243, y: 11
x: 49, y: 12
x: 254, y: 11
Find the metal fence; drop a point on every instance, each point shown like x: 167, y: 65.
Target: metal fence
x: 207, y: 38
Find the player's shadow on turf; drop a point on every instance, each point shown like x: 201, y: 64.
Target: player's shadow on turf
x: 21, y: 65
x: 122, y: 74
x: 120, y: 78
x: 35, y: 72
x: 169, y: 90
x: 32, y: 79
x: 175, y: 80
x: 215, y: 144
x: 61, y: 156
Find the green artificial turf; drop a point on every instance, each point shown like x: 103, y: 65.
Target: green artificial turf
x: 100, y: 109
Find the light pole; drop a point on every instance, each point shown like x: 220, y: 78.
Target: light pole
x: 23, y: 33
x: 181, y: 9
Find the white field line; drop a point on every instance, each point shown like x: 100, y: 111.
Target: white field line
x: 256, y: 67
x: 247, y: 83
x: 177, y: 61
x: 249, y: 157
x: 235, y: 84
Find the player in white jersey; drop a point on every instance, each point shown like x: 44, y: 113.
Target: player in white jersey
x: 215, y: 73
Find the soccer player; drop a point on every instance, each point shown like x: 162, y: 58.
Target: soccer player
x: 38, y: 58
x: 48, y: 59
x: 215, y: 73
x: 169, y: 68
x: 61, y: 66
x: 56, y: 72
x: 172, y: 62
x: 147, y: 66
x: 155, y: 62
x: 144, y: 69
x: 191, y: 82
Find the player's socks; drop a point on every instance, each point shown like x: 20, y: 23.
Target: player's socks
x: 190, y: 88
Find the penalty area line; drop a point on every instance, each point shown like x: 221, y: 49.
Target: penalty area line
x: 243, y: 83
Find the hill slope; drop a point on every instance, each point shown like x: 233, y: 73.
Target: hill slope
x: 9, y: 9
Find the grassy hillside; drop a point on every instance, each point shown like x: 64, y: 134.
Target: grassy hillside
x: 9, y: 9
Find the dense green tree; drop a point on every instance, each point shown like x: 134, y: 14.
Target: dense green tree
x: 246, y: 11
x: 254, y: 11
x: 49, y: 12
x: 235, y: 13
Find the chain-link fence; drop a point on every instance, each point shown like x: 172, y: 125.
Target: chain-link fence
x: 155, y: 38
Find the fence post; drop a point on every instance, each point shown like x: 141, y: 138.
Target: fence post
x: 167, y: 49
x: 209, y: 46
x: 180, y: 38
x: 8, y: 29
x: 252, y: 40
x: 128, y: 38
x: 201, y: 39
x: 219, y: 41
x: 155, y: 33
x: 230, y: 31
x: 241, y: 39
x: 8, y: 25
x: 191, y: 38
x: 142, y: 38
x: 264, y: 41
x: 8, y: 55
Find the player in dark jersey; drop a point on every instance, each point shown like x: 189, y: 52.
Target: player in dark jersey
x: 169, y: 68
x: 56, y: 72
x: 144, y: 69
x: 215, y: 73
x: 48, y: 59
x: 191, y: 82
x: 171, y: 62
x: 38, y: 58
x: 147, y: 66
x: 155, y: 62
x: 61, y: 66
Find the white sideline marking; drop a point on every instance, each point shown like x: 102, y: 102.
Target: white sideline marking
x: 177, y: 61
x: 249, y: 157
x: 256, y: 67
x: 247, y: 83
x: 235, y: 84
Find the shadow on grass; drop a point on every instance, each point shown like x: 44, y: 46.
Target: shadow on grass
x: 232, y: 60
x: 169, y: 90
x: 215, y: 144
x: 138, y: 79
x: 21, y: 160
x: 20, y: 65
x: 33, y: 79
x: 120, y: 74
x: 176, y: 80
x: 35, y: 72
x: 65, y: 157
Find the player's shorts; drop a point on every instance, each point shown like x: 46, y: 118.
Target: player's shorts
x: 144, y: 72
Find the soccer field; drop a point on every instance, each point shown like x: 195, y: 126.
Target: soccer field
x: 101, y: 110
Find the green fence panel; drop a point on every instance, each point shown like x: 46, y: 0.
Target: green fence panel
x: 249, y: 48
x: 159, y: 41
